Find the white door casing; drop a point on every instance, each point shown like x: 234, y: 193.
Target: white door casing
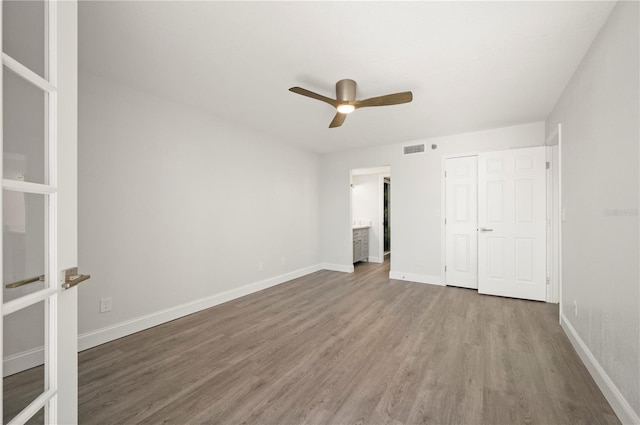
x: 512, y: 223
x: 461, y: 201
x: 40, y: 67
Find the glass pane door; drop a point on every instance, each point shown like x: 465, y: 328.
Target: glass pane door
x: 29, y: 265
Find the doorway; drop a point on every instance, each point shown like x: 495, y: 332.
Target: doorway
x: 370, y: 213
x: 386, y: 220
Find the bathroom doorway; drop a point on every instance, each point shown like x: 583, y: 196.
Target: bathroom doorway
x: 370, y: 214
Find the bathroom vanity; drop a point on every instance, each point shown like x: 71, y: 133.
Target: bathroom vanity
x: 360, y: 243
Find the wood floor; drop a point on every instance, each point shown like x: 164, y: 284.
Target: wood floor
x: 334, y: 348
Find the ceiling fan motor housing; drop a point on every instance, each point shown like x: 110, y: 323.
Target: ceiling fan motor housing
x: 346, y: 90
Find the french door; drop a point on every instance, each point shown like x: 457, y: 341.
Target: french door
x: 39, y: 223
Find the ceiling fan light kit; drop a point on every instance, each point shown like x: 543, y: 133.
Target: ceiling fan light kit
x: 345, y: 101
x: 345, y: 108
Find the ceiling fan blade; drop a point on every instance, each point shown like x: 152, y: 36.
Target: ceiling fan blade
x: 309, y: 93
x: 338, y: 120
x: 389, y: 99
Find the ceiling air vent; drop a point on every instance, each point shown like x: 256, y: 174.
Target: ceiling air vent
x: 414, y: 149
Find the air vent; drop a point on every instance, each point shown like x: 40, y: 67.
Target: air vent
x: 413, y: 149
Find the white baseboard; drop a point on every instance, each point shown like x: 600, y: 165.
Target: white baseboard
x: 22, y: 361
x: 119, y: 330
x: 376, y: 260
x: 419, y: 278
x: 618, y: 403
x: 338, y: 267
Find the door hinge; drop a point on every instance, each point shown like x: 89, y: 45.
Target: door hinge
x: 445, y: 174
x: 445, y: 268
x: 445, y: 221
x: 548, y: 281
x: 548, y: 165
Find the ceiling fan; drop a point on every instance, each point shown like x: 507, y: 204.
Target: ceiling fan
x: 345, y: 101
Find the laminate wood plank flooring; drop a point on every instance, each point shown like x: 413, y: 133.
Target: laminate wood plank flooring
x: 335, y: 348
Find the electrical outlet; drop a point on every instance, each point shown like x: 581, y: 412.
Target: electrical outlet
x: 260, y: 266
x: 575, y: 308
x: 283, y: 261
x: 106, y: 304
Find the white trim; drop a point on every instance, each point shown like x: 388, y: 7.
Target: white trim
x: 100, y: 336
x: 553, y: 137
x: 419, y: 278
x: 27, y: 74
x: 27, y: 300
x: 550, y: 248
x: 52, y: 329
x: 560, y: 208
x: 620, y: 405
x: 380, y: 227
x: 1, y: 208
x: 337, y: 267
x: 33, y: 407
x: 554, y: 204
x: 28, y: 187
x: 22, y: 361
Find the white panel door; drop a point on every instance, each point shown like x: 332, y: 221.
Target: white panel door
x: 512, y: 223
x: 461, y: 222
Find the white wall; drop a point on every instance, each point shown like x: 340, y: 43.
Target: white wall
x: 600, y: 118
x: 366, y: 202
x: 415, y: 198
x: 177, y: 207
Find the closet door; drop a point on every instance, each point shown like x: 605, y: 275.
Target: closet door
x: 512, y: 223
x: 461, y: 222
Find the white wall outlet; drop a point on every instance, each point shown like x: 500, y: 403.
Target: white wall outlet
x: 260, y: 266
x: 283, y: 261
x: 106, y: 304
x: 575, y: 308
x: 563, y: 214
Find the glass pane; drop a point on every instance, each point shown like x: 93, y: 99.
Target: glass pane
x: 23, y: 33
x: 24, y: 118
x: 23, y: 231
x: 23, y: 343
x: 37, y: 419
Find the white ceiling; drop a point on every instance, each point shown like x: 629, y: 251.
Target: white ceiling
x: 470, y: 65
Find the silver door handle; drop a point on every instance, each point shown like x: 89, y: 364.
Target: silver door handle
x: 484, y: 229
x: 72, y: 278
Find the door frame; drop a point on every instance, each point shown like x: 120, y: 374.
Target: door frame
x: 381, y: 172
x: 386, y: 181
x: 555, y: 197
